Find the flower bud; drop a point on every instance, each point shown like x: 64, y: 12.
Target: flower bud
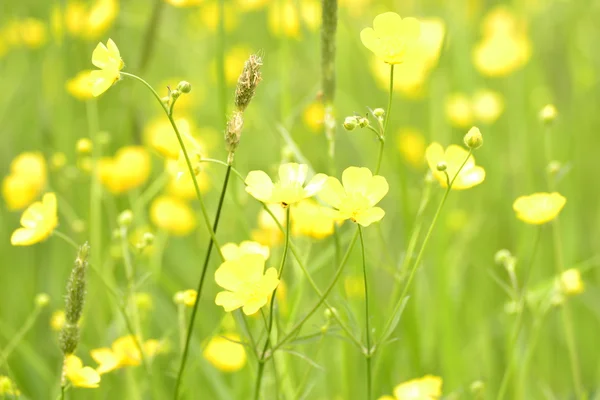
x: 184, y: 87
x: 548, y: 114
x: 379, y: 112
x: 166, y: 100
x: 502, y: 256
x: 473, y: 139
x: 125, y: 218
x: 42, y: 300
x: 84, y: 146
x: 174, y: 94
x: 477, y: 387
x: 58, y: 160
x: 330, y: 312
x: 350, y: 123
x: 442, y: 166
x: 363, y: 122
x: 553, y: 167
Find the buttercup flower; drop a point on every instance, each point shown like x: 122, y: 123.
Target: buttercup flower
x: 570, y: 283
x: 27, y: 179
x: 232, y: 251
x: 159, y: 135
x: 356, y: 199
x: 470, y: 175
x: 268, y: 233
x: 391, y: 37
x: 284, y: 19
x: 80, y: 376
x: 108, y: 59
x: 184, y: 3
x: 80, y: 86
x: 38, y: 221
x: 539, y: 208
x: 426, y: 388
x: 245, y: 283
x: 123, y: 352
x: 173, y: 215
x: 289, y: 190
x: 92, y: 22
x: 411, y: 145
x: 186, y: 297
x: 128, y: 169
x: 224, y: 354
x: 312, y: 219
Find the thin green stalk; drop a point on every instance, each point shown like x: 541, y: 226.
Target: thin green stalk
x: 367, y: 316
x: 95, y: 189
x: 211, y: 244
x: 261, y: 361
x: 66, y: 238
x: 185, y: 155
x: 181, y: 326
x: 221, y: 63
x: 385, y: 121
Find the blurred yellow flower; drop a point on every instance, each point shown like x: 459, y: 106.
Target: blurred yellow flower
x: 411, y: 145
x: 80, y: 86
x: 186, y: 297
x: 8, y: 387
x: 32, y: 32
x: 248, y: 5
x: 245, y: 284
x: 172, y: 215
x: 207, y: 16
x: 459, y: 110
x: 224, y: 354
x: 232, y: 251
x: 284, y: 19
x: 57, y: 320
x: 144, y: 301
x: 234, y: 63
x: 426, y: 388
x: 454, y: 156
x: 570, y: 282
x: 181, y: 184
x: 356, y: 8
x: 27, y: 179
x: 539, y: 208
x: 123, y: 352
x: 128, y: 169
x: 391, y: 37
x: 356, y: 199
x: 289, y: 190
x: 38, y: 221
x: 314, y: 116
x: 268, y: 233
x: 80, y: 376
x: 159, y: 135
x: 487, y: 106
x: 89, y: 23
x: 354, y: 287
x: 311, y: 219
x: 184, y: 3
x: 108, y: 59
x: 310, y: 10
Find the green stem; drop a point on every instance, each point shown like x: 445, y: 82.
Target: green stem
x: 367, y: 316
x: 66, y: 238
x: 211, y: 244
x: 185, y: 155
x: 386, y: 119
x: 259, y: 375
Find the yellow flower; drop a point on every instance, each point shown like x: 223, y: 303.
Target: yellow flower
x: 289, y: 190
x: 312, y: 219
x: 172, y: 215
x: 80, y: 86
x: 27, y: 179
x: 356, y: 8
x: 428, y: 47
x: 570, y: 282
x: 8, y: 387
x: 354, y: 287
x: 487, y: 106
x: 32, y: 32
x: 80, y: 376
x: 411, y: 145
x: 311, y: 13
x: 128, y: 169
x: 224, y: 354
x: 123, y: 352
x: 207, y: 17
x: 234, y: 63
x: 57, y: 320
x: 426, y: 388
x: 459, y: 110
x: 100, y: 17
x: 181, y: 184
x: 159, y: 135
x: 184, y: 3
x: 38, y: 221
x: 539, y: 208
x: 391, y: 37
x: 232, y: 251
x: 186, y: 297
x: 314, y: 116
x: 246, y: 285
x: 108, y: 59
x: 249, y: 5
x: 470, y: 175
x: 356, y: 199
x: 283, y: 19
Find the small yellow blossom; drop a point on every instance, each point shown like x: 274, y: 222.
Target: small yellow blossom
x: 172, y: 215
x: 539, y: 208
x: 356, y: 199
x: 312, y: 219
x: 186, y: 297
x: 224, y: 354
x: 57, y: 320
x: 181, y: 184
x: 548, y: 113
x: 80, y: 376
x: 487, y: 106
x: 310, y: 10
x: 84, y: 146
x: 284, y: 19
x: 144, y: 301
x: 391, y: 37
x: 232, y: 251
x: 426, y: 388
x: 570, y: 282
x: 159, y: 135
x: 88, y: 23
x: 246, y: 284
x: 108, y: 59
x: 289, y: 190
x: 8, y: 387
x: 454, y: 156
x: 27, y: 179
x: 411, y: 145
x: 38, y: 221
x: 32, y: 32
x: 314, y: 116
x: 123, y: 352
x: 128, y: 169
x: 80, y: 86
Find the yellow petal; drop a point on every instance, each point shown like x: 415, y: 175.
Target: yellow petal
x: 229, y: 301
x: 315, y: 185
x: 232, y: 274
x: 387, y: 24
x: 369, y: 216
x: 100, y: 56
x: 356, y: 179
x: 102, y: 80
x: 292, y: 174
x: 369, y: 38
x: 434, y: 154
x: 24, y: 237
x: 225, y: 354
x: 87, y: 377
x: 410, y: 28
x: 259, y: 185
x: 255, y: 304
x: 332, y: 192
x: 106, y: 359
x: 376, y: 189
x: 469, y: 178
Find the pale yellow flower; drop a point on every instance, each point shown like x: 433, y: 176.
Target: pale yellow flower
x: 311, y: 219
x: 108, y: 59
x: 391, y: 37
x: 128, y: 169
x: 426, y: 388
x: 123, y: 352
x: 38, y: 221
x: 570, y: 282
x: 314, y: 116
x: 411, y: 145
x: 27, y: 179
x: 539, y: 208
x: 284, y: 19
x: 173, y: 215
x: 80, y: 376
x: 232, y: 251
x: 454, y: 156
x: 224, y: 354
x: 80, y: 86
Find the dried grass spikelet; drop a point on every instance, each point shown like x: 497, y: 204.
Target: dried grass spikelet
x: 247, y: 82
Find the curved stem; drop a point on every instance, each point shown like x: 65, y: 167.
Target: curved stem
x: 367, y: 316
x: 211, y: 244
x: 66, y: 238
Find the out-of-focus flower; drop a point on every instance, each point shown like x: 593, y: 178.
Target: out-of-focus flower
x: 245, y: 283
x: 354, y: 287
x: 27, y: 179
x: 208, y: 16
x: 8, y: 388
x: 428, y: 387
x: 57, y: 320
x: 108, y: 59
x: 123, y: 352
x: 453, y: 157
x: 32, y: 32
x: 570, y: 283
x: 548, y: 113
x: 80, y: 376
x: 485, y: 106
x: 314, y: 116
x: 234, y: 63
x: 232, y: 251
x: 268, y: 233
x: 144, y: 301
x: 284, y: 19
x: 310, y: 11
x: 159, y: 135
x: 356, y: 199
x: 539, y: 208
x: 181, y: 184
x: 288, y: 190
x: 184, y: 3
x: 80, y: 86
x: 172, y: 215
x: 312, y: 219
x: 356, y: 8
x: 38, y: 221
x: 128, y: 169
x: 89, y: 22
x: 391, y: 37
x: 411, y: 145
x: 459, y: 110
x: 224, y: 354
x: 186, y: 297
x: 250, y: 5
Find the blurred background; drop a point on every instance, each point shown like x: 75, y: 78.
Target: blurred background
x: 492, y: 64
